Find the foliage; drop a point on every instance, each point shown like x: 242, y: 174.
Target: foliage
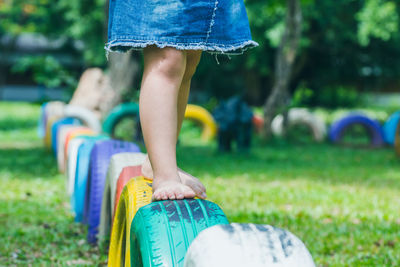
x: 19, y: 16
x: 86, y: 21
x: 345, y: 43
x: 378, y: 19
x: 46, y: 70
x: 330, y: 97
x: 343, y: 203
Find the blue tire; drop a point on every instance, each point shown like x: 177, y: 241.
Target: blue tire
x: 56, y: 126
x: 161, y: 232
x: 99, y: 161
x: 42, y: 121
x: 373, y: 127
x: 81, y: 175
x: 389, y: 128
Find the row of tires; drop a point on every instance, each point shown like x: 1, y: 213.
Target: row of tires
x: 379, y: 135
x: 109, y: 194
x: 126, y: 110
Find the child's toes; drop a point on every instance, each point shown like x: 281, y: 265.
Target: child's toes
x: 171, y: 195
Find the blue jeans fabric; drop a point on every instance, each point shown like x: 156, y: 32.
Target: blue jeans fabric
x: 215, y: 26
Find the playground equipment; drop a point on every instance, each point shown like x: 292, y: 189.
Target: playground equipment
x: 235, y: 121
x: 389, y: 128
x: 117, y: 114
x: 204, y: 118
x: 131, y: 110
x: 109, y: 194
x: 81, y: 177
x: 42, y: 121
x: 99, y: 160
x: 162, y: 231
x: 71, y: 163
x: 83, y: 131
x: 136, y: 194
x: 397, y: 140
x: 299, y: 116
x: 56, y: 126
x: 238, y: 245
x: 86, y: 116
x: 258, y: 122
x: 57, y: 113
x: 117, y: 163
x: 64, y: 135
x: 61, y: 134
x: 339, y: 128
x: 126, y: 174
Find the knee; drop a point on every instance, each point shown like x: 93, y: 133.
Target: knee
x: 172, y: 63
x: 192, y: 61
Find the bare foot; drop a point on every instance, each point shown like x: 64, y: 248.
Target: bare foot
x: 164, y: 189
x: 186, y: 179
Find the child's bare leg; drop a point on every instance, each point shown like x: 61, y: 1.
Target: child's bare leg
x: 192, y: 60
x: 163, y: 73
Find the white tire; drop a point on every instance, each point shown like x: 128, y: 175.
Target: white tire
x: 117, y: 163
x: 299, y: 116
x: 87, y: 116
x: 61, y: 138
x: 54, y: 108
x: 73, y: 148
x: 238, y: 245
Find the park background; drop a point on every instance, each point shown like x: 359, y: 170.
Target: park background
x: 342, y: 202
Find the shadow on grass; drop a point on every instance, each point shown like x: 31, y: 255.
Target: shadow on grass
x: 27, y: 163
x: 316, y: 162
x: 12, y: 124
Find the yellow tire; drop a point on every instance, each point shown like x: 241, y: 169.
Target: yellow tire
x: 136, y: 194
x: 202, y: 116
x: 47, y: 136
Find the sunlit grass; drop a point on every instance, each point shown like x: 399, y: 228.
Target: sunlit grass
x: 343, y: 203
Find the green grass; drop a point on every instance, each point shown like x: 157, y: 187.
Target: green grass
x: 343, y: 203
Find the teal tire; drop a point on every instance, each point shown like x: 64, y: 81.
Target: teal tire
x: 162, y: 232
x: 130, y: 110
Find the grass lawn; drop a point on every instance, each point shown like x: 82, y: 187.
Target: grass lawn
x: 343, y: 203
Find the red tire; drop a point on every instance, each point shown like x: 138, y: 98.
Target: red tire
x: 126, y: 174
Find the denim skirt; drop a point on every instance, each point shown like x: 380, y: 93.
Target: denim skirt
x: 215, y: 26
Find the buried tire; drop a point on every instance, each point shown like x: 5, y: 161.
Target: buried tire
x: 136, y: 194
x: 56, y: 127
x: 99, y: 161
x: 81, y: 175
x: 117, y: 163
x: 61, y: 139
x: 238, y: 245
x: 86, y: 116
x: 204, y: 118
x: 162, y: 231
x: 298, y: 116
x: 339, y: 128
x: 397, y: 140
x: 120, y: 112
x: 390, y: 126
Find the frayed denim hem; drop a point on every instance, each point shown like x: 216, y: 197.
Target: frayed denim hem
x: 214, y: 49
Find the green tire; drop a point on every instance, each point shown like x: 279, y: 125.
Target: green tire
x: 161, y: 232
x: 117, y: 114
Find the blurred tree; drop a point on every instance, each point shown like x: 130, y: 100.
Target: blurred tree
x: 285, y: 58
x: 352, y: 44
x: 83, y: 21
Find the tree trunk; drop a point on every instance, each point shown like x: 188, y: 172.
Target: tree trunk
x: 122, y: 71
x: 286, y: 55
